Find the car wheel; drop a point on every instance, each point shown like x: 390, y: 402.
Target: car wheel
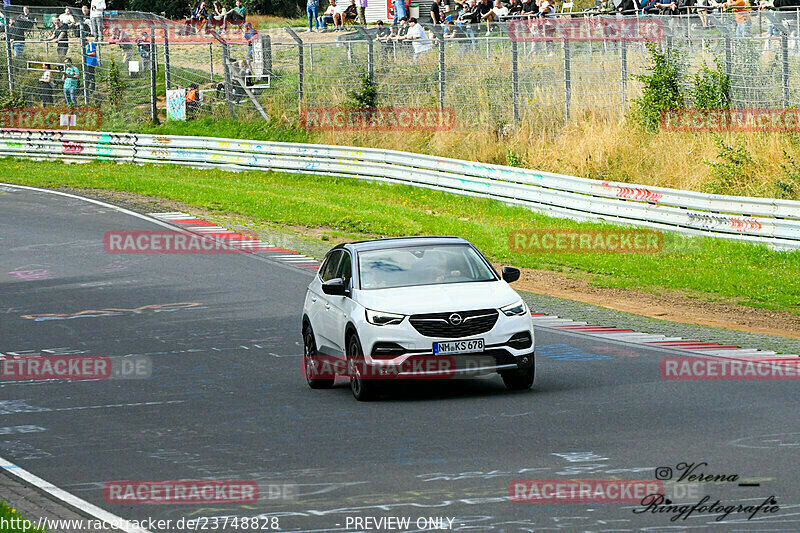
x: 363, y: 389
x: 520, y: 379
x: 312, y: 364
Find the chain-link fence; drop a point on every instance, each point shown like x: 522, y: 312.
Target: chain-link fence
x: 482, y: 72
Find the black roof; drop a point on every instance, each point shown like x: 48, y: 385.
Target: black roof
x: 398, y: 242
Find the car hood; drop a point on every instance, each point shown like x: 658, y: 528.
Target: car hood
x: 439, y: 298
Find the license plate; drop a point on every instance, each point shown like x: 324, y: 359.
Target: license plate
x: 451, y: 347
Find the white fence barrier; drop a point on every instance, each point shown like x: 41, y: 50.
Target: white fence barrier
x: 772, y: 221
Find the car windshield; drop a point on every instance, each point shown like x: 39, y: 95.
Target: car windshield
x: 421, y: 265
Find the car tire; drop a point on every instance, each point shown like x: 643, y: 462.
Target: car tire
x: 520, y: 379
x: 309, y: 351
x: 362, y: 389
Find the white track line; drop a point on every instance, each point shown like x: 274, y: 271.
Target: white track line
x: 83, y: 508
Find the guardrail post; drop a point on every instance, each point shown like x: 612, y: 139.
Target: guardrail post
x: 153, y: 64
x: 624, y: 71
x: 226, y: 70
x: 515, y: 80
x: 82, y: 34
x: 167, y: 80
x: 785, y: 68
x: 567, y: 80
x: 300, y: 67
x: 8, y: 54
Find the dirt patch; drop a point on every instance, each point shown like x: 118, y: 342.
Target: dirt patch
x: 669, y: 305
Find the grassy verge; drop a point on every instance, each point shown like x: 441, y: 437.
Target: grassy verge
x: 12, y: 521
x: 718, y: 270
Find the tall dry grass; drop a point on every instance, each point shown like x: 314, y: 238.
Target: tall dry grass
x: 605, y: 146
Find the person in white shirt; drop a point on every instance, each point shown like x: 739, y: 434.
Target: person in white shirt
x: 66, y: 17
x: 338, y: 15
x: 499, y: 10
x: 419, y: 39
x: 96, y: 16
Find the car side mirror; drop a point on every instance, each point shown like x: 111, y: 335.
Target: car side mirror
x: 510, y: 274
x: 334, y: 287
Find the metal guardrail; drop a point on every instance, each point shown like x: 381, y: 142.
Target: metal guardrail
x: 772, y: 221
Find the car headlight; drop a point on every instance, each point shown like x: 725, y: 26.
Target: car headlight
x: 383, y: 319
x: 516, y: 309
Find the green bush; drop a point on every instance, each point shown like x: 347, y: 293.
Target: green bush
x: 661, y: 90
x: 734, y: 170
x: 366, y: 96
x: 711, y: 88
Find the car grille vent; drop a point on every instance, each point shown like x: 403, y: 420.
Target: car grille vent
x: 456, y: 324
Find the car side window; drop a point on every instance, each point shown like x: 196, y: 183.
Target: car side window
x: 331, y: 266
x: 345, y: 270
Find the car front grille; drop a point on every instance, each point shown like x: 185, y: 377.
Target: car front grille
x: 439, y: 324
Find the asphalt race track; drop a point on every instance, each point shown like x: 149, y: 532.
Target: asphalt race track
x: 226, y: 401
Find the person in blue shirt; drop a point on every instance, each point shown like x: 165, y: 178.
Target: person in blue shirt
x: 91, y: 65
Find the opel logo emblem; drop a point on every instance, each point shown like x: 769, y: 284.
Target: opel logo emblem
x: 455, y: 319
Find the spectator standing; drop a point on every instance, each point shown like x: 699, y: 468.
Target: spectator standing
x: 143, y: 44
x: 91, y: 65
x: 399, y: 10
x: 71, y: 76
x: 361, y: 7
x: 46, y: 85
x: 419, y: 39
x: 16, y: 34
x: 61, y: 38
x: 312, y: 10
x: 742, y: 14
x: 251, y: 36
x: 96, y: 11
x: 382, y: 33
x: 436, y: 12
x: 66, y: 17
x: 192, y: 100
x: 125, y: 44
x: 85, y: 20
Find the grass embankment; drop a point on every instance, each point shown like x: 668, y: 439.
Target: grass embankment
x: 12, y: 521
x: 719, y: 271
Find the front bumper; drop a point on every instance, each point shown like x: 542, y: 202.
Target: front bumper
x: 401, y: 346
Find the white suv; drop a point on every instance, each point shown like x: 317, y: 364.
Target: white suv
x: 385, y: 304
